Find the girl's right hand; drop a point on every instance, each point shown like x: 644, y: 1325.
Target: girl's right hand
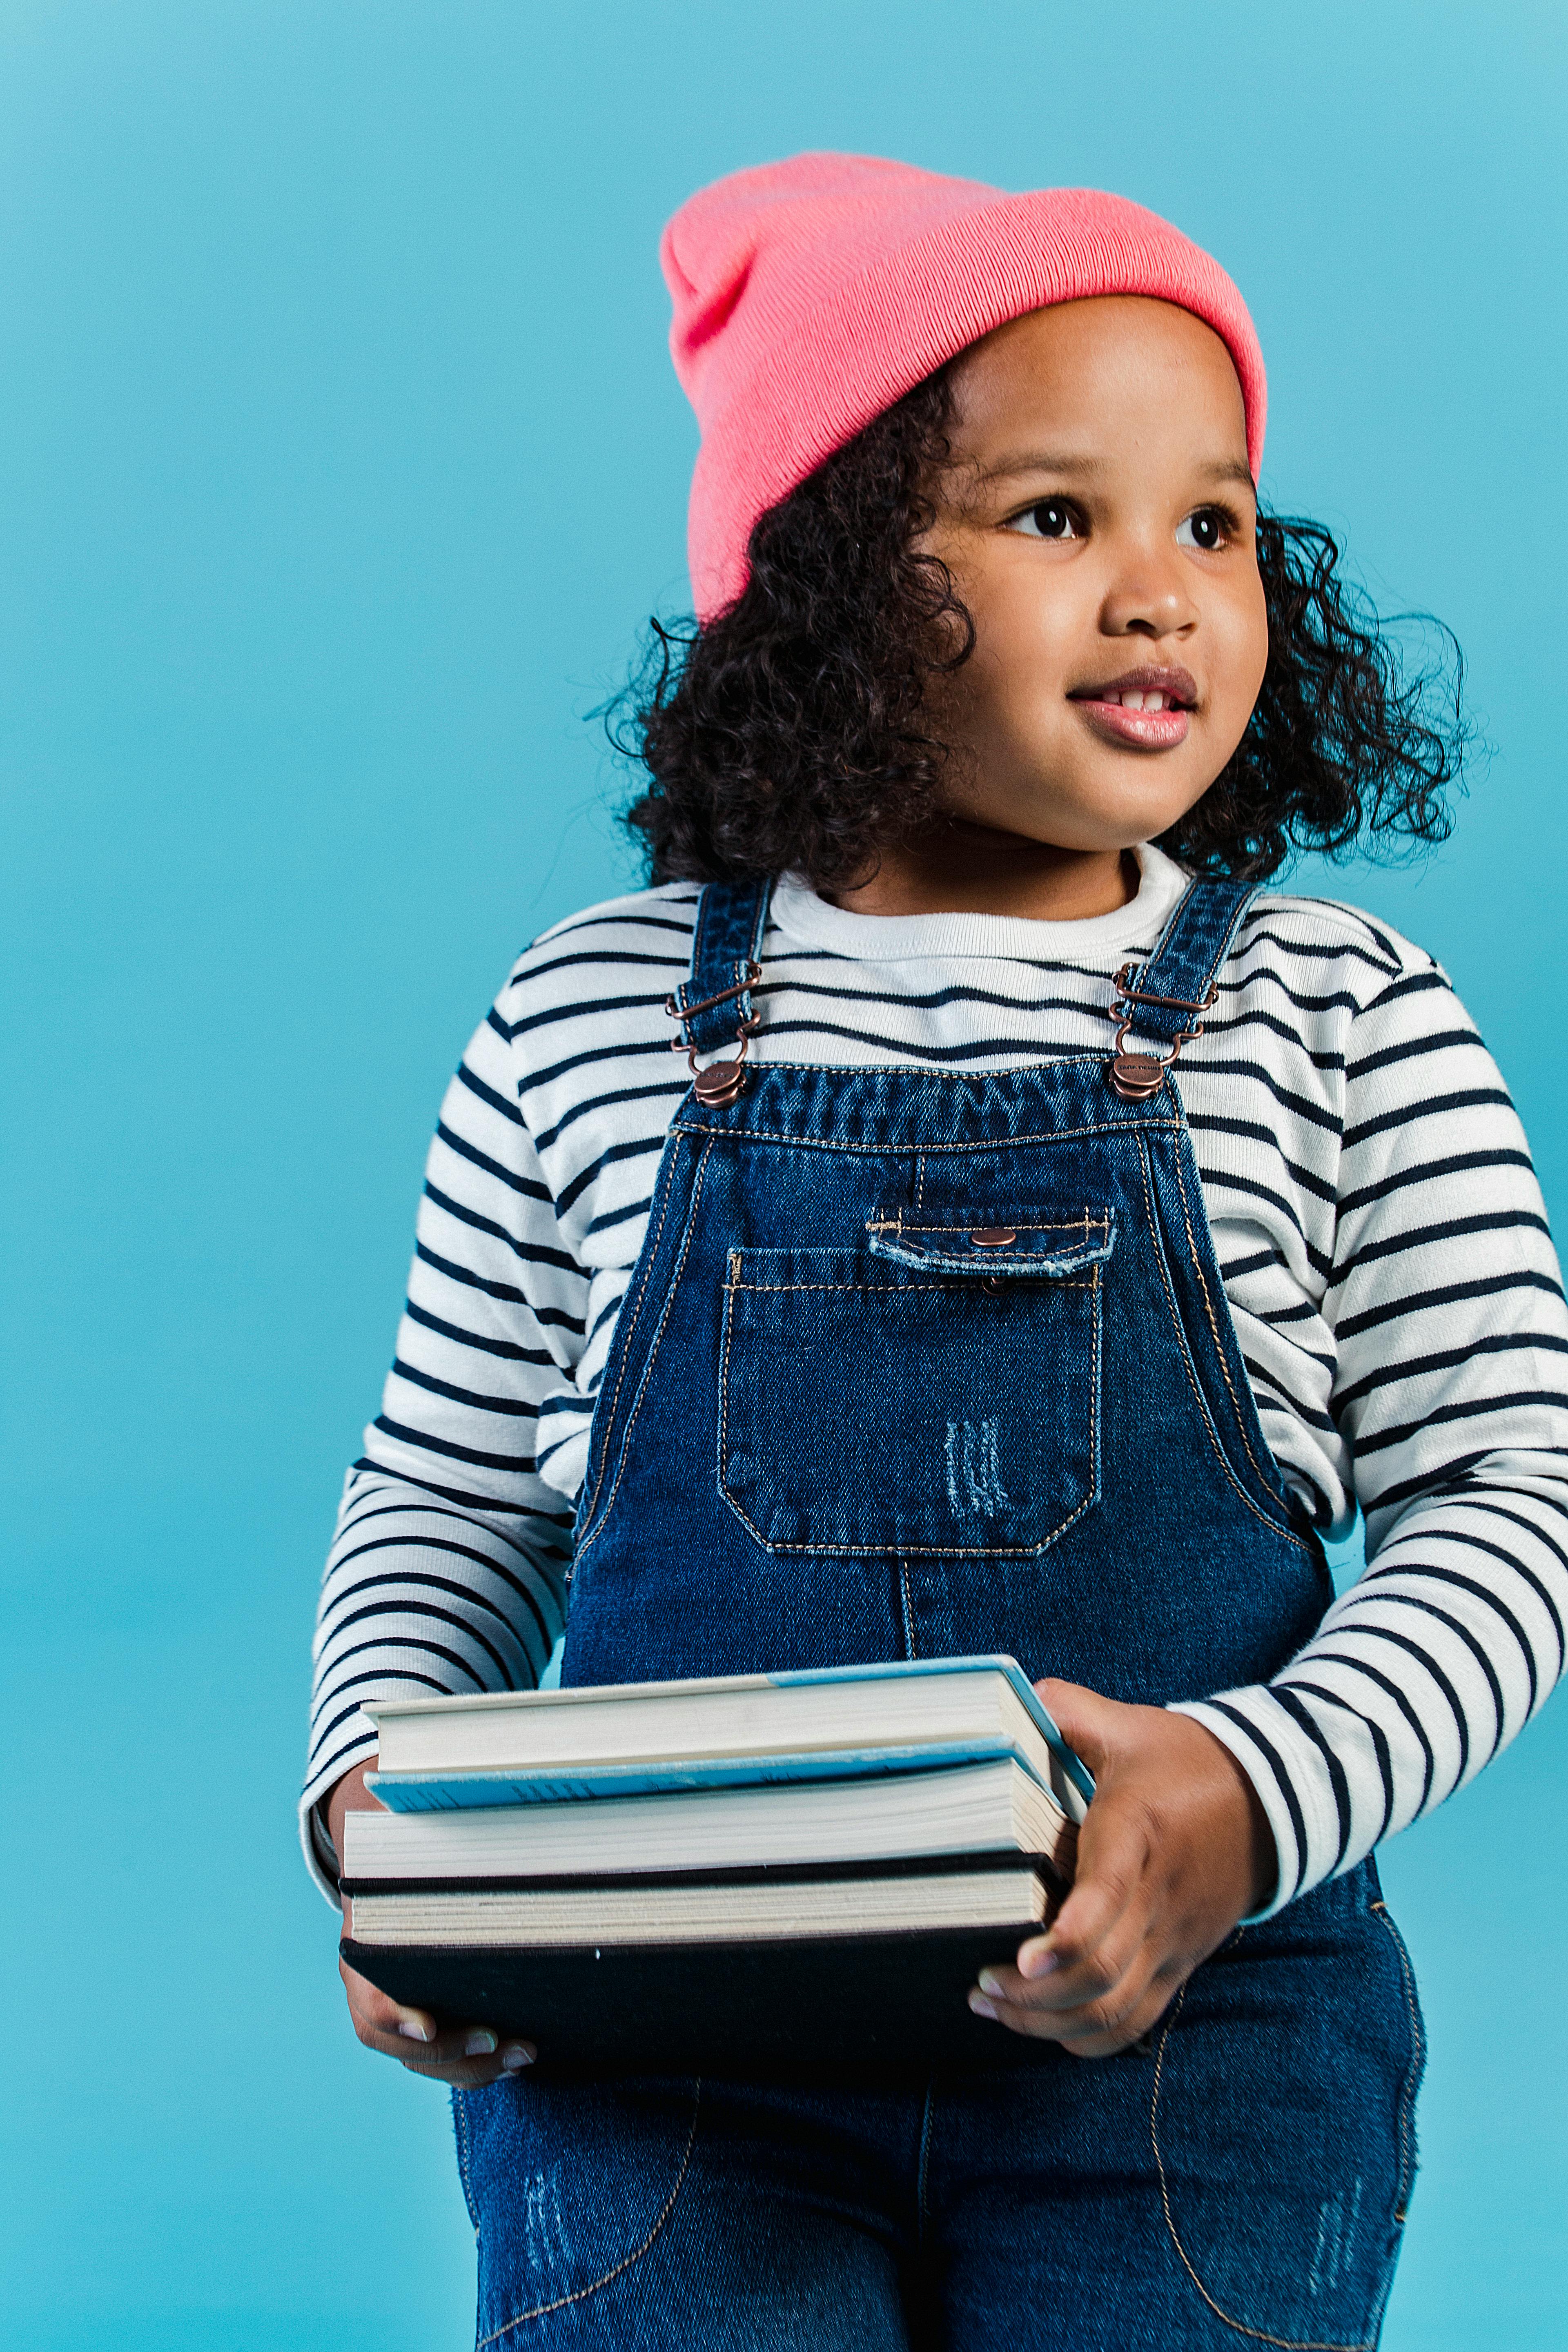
x: 466, y: 2055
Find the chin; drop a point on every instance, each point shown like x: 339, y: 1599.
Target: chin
x: 1123, y: 817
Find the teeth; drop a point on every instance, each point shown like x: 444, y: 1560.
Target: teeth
x: 1130, y: 699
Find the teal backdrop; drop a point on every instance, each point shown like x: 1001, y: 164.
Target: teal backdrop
x: 340, y: 463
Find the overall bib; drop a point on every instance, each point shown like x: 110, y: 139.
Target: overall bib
x: 919, y: 1365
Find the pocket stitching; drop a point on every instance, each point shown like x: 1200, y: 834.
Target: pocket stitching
x: 897, y: 1223
x: 923, y: 1249
x: 543, y: 2310
x: 882, y: 1551
x: 1259, y: 2335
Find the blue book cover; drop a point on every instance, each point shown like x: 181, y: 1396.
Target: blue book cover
x: 438, y: 1793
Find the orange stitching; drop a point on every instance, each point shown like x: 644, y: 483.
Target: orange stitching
x: 922, y: 1551
x: 952, y: 1078
x: 725, y: 1389
x: 913, y: 1290
x: 936, y: 1551
x: 626, y: 1314
x: 1259, y: 2335
x: 897, y: 1225
x: 939, y: 1150
x: 1214, y: 1327
x: 1098, y: 1321
x: 1278, y: 1526
x: 541, y: 2310
x: 590, y: 1540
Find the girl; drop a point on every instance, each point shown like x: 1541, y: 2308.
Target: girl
x: 1002, y: 700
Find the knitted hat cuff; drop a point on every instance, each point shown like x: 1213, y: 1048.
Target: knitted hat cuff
x: 812, y: 294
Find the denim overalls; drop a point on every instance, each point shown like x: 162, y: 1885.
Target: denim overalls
x: 916, y: 1364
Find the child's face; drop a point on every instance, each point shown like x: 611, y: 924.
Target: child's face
x: 1099, y: 523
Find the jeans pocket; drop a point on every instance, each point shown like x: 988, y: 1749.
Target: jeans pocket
x: 568, y: 2187
x: 883, y: 1405
x: 1280, y: 2121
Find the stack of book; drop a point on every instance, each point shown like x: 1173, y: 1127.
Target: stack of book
x: 770, y: 1872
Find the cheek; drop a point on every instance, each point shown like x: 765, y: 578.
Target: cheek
x: 1237, y: 631
x: 1023, y: 640
x: 1250, y: 643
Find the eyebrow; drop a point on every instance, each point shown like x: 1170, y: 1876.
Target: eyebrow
x: 1050, y: 461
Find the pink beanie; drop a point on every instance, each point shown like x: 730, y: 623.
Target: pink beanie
x: 810, y: 295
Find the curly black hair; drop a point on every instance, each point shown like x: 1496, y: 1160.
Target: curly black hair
x: 791, y: 733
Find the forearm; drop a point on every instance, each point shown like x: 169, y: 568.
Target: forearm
x: 422, y: 1600
x: 447, y: 1573
x: 1418, y: 1676
x: 1443, y: 1308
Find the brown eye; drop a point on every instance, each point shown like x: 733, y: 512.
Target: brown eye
x: 1052, y: 518
x: 1205, y: 529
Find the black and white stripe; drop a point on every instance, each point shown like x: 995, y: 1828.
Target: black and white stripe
x: 1381, y: 1234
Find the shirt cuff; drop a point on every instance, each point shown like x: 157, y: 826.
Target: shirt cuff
x: 321, y: 1860
x: 1289, y: 1777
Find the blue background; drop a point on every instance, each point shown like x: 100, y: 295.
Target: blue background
x: 340, y: 461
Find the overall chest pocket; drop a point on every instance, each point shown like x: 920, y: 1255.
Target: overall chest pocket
x: 937, y: 1390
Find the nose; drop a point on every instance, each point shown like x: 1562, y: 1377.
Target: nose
x: 1149, y: 597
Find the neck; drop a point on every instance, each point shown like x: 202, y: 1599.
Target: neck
x: 958, y: 868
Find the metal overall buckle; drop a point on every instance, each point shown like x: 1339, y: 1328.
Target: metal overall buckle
x: 720, y: 1082
x: 1136, y: 1077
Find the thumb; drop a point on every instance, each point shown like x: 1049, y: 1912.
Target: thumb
x: 1084, y: 1719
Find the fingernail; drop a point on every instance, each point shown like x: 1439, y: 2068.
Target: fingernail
x: 1036, y: 1960
x: 415, y: 2030
x: 991, y: 1982
x: 515, y: 2056
x: 480, y: 2044
x: 982, y: 2007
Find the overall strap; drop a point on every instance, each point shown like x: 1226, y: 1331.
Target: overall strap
x: 1191, y: 948
x: 1166, y: 999
x: 714, y: 1006
x: 730, y: 919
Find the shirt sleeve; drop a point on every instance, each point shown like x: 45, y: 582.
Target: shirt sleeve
x: 1445, y: 1303
x: 447, y: 1573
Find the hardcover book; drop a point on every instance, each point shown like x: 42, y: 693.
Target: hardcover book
x: 769, y: 1874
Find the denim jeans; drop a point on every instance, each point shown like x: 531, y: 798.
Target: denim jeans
x: 1244, y: 2178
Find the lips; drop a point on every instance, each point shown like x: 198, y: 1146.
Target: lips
x: 1147, y: 708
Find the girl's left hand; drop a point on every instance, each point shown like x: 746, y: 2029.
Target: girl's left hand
x: 1176, y: 1849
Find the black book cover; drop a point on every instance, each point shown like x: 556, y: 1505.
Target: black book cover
x: 756, y: 1873
x: 884, y: 2007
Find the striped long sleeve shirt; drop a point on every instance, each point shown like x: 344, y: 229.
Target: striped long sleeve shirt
x: 1380, y: 1232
